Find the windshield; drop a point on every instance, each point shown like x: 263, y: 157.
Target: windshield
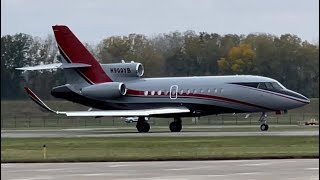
x: 277, y: 85
x: 270, y: 85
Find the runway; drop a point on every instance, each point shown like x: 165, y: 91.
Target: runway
x: 103, y: 132
x: 297, y: 169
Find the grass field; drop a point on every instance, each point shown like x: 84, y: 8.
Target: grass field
x: 25, y: 114
x: 156, y: 148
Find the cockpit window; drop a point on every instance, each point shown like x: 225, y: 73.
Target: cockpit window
x: 249, y: 84
x: 276, y: 85
x: 262, y: 86
x: 269, y: 86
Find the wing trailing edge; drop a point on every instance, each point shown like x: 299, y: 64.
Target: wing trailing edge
x: 115, y: 113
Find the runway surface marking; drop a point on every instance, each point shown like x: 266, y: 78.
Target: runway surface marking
x: 87, y: 133
x: 298, y: 169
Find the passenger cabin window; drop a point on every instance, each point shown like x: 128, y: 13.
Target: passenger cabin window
x: 152, y: 93
x: 188, y: 91
x: 181, y: 92
x: 159, y: 93
x: 201, y: 91
x: 146, y: 93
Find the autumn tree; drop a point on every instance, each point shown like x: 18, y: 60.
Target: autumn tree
x: 240, y: 60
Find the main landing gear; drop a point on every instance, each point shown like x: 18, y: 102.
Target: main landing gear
x: 176, y: 125
x: 142, y: 125
x: 263, y: 119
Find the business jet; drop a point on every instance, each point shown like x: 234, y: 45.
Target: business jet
x: 120, y: 90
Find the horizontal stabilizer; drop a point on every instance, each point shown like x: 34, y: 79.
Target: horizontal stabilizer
x: 55, y: 66
x: 114, y: 113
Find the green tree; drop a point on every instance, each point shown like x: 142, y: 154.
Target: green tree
x: 15, y: 52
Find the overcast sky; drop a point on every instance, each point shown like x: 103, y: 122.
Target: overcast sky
x: 93, y: 20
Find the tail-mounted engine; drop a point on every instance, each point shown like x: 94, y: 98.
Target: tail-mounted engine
x: 109, y: 90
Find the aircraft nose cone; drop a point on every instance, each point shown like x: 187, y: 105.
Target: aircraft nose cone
x: 305, y: 98
x: 302, y: 97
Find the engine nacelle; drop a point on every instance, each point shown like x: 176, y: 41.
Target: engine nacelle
x: 109, y: 90
x: 124, y: 69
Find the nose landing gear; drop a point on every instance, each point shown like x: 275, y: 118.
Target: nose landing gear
x: 263, y: 119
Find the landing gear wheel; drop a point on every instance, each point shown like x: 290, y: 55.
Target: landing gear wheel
x: 175, y: 127
x: 145, y: 127
x: 142, y: 125
x: 264, y: 127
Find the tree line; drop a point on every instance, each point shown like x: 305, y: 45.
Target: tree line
x: 286, y: 58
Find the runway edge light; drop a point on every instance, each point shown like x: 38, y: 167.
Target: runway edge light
x: 44, y: 152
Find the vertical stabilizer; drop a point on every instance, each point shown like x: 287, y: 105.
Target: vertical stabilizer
x: 73, y: 51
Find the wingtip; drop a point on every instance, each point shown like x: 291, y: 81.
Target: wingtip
x: 37, y: 100
x: 28, y: 90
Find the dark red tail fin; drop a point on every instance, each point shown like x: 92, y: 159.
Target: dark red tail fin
x: 74, y: 51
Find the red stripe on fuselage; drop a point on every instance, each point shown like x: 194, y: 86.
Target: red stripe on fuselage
x: 76, y: 52
x: 141, y: 94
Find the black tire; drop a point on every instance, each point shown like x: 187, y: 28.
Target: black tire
x: 172, y: 127
x: 175, y: 127
x: 179, y: 127
x: 264, y: 127
x: 145, y: 127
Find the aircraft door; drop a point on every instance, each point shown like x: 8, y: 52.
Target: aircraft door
x: 174, y: 92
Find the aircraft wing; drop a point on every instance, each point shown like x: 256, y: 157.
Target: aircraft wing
x: 124, y: 113
x: 55, y: 66
x: 119, y: 113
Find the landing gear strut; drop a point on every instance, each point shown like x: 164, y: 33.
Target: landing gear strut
x: 142, y: 125
x: 176, y: 125
x: 263, y: 119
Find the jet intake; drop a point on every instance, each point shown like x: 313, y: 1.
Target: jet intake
x: 109, y: 90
